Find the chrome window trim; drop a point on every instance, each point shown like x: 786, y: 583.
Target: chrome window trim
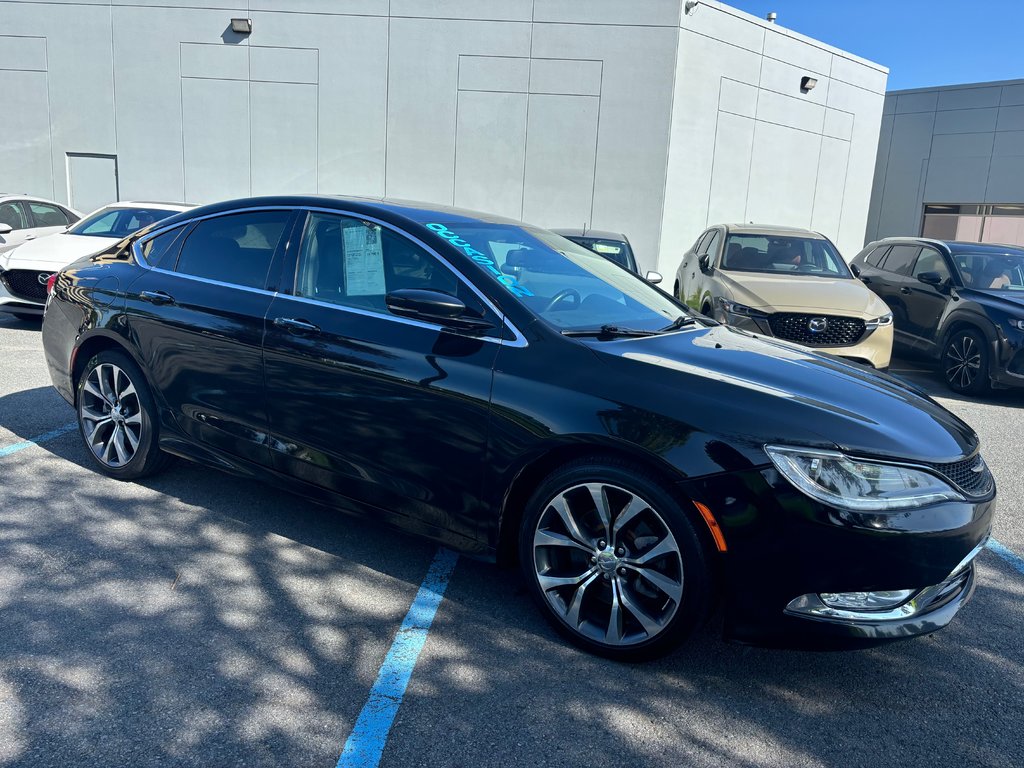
x: 518, y: 341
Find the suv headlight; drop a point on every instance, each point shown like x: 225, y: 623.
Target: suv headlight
x: 856, y: 484
x: 879, y: 322
x: 735, y: 308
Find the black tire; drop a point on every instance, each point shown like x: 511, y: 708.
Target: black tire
x: 117, y: 418
x: 675, y: 291
x: 965, y: 361
x: 607, y: 605
x: 706, y: 310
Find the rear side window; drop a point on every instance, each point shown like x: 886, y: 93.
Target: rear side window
x: 876, y: 255
x: 48, y: 215
x: 162, y: 251
x: 901, y: 258
x: 235, y: 249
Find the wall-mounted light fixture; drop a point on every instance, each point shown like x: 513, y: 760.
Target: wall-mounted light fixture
x: 807, y: 83
x: 241, y: 26
x: 771, y: 17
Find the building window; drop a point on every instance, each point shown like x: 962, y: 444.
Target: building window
x: 975, y: 223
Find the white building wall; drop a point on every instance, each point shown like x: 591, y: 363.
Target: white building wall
x: 629, y: 116
x: 748, y: 146
x: 955, y: 144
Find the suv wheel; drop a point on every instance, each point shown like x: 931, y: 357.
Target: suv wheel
x: 965, y: 362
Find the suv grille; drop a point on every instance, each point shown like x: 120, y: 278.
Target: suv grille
x: 24, y: 284
x: 972, y: 476
x: 838, y: 331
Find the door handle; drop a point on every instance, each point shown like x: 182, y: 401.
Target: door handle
x: 904, y: 289
x: 299, y: 327
x: 156, y: 297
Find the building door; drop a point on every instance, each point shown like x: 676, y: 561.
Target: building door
x: 92, y: 181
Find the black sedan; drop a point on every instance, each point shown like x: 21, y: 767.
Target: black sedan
x: 961, y: 304
x: 491, y: 386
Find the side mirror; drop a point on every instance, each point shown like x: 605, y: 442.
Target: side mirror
x: 6, y: 229
x: 704, y: 262
x: 654, y: 277
x: 930, y: 278
x: 434, y: 307
x: 855, y: 269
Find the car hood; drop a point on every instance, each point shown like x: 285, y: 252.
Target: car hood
x: 54, y: 252
x: 790, y: 293
x: 1008, y: 300
x: 728, y: 382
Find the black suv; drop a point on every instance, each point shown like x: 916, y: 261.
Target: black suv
x: 959, y: 303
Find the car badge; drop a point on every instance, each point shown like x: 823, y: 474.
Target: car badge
x: 43, y: 278
x: 817, y: 325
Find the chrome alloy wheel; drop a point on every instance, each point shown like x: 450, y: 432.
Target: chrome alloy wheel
x: 963, y: 361
x: 111, y: 415
x: 608, y: 564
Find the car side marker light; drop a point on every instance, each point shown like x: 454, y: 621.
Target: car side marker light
x: 716, y: 532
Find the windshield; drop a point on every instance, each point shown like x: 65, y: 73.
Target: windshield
x: 567, y: 285
x: 613, y: 250
x: 991, y: 271
x: 118, y: 222
x: 795, y: 256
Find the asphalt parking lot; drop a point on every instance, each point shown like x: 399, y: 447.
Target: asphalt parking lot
x: 198, y: 619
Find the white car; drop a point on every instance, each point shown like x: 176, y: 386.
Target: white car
x: 24, y: 218
x: 25, y: 270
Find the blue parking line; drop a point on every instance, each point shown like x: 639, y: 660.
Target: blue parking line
x: 1011, y: 557
x: 365, y: 745
x: 38, y: 440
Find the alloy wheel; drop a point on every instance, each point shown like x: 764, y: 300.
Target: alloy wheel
x: 608, y: 564
x: 111, y: 415
x: 963, y: 361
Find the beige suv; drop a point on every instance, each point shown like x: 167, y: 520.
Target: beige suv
x: 787, y: 283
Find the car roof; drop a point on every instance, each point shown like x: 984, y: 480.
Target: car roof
x: 600, y: 234
x: 772, y: 229
x: 151, y: 204
x: 953, y: 246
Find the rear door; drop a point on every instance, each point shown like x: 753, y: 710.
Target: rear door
x: 388, y: 411
x: 47, y: 219
x: 197, y: 317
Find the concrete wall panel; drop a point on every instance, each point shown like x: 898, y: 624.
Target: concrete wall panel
x: 215, y: 125
x: 503, y: 74
x: 26, y: 54
x: 284, y: 65
x: 968, y: 98
x: 734, y: 148
x: 636, y: 12
x: 283, y: 138
x: 966, y: 120
x: 566, y: 76
x: 491, y: 152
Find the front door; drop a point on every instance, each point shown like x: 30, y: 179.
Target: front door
x: 387, y: 411
x: 926, y: 303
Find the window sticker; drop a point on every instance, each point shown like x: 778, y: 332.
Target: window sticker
x: 482, y: 259
x: 364, y: 261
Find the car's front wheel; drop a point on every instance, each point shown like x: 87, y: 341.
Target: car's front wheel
x: 965, y: 362
x: 117, y: 419
x: 613, y: 561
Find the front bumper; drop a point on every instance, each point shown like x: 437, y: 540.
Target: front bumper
x: 1007, y: 368
x: 785, y: 549
x: 874, y: 347
x: 13, y: 297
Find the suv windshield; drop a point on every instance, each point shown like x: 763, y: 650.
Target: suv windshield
x: 991, y: 271
x: 788, y: 255
x: 570, y: 287
x: 118, y: 222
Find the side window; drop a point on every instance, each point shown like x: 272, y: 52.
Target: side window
x: 931, y: 261
x: 711, y: 246
x: 162, y: 251
x: 47, y: 215
x: 701, y: 242
x: 900, y: 259
x: 73, y: 218
x: 236, y: 249
x: 876, y: 255
x: 12, y: 214
x: 356, y: 263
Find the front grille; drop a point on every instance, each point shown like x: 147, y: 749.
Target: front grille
x: 971, y: 476
x: 24, y: 284
x: 837, y: 332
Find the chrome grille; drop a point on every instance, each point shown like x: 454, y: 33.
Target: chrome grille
x: 838, y: 331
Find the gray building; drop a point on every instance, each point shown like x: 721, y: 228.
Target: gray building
x: 652, y: 117
x: 951, y: 164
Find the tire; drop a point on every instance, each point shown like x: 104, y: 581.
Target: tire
x: 706, y: 310
x: 610, y: 597
x: 117, y: 418
x: 965, y: 360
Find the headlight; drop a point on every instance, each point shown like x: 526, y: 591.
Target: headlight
x: 879, y: 322
x: 863, y: 486
x: 734, y: 308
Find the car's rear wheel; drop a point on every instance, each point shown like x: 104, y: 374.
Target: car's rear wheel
x: 706, y: 309
x: 965, y: 362
x: 613, y: 561
x: 117, y: 419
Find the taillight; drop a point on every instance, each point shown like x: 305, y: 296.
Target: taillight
x: 49, y: 283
